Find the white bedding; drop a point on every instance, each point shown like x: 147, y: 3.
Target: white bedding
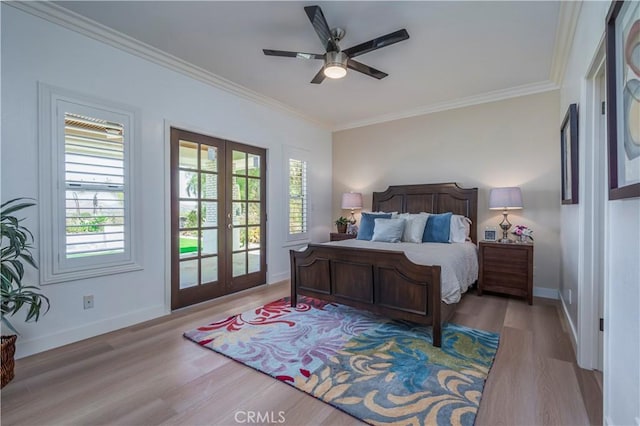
x: 458, y: 261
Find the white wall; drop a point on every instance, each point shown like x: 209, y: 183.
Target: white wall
x: 512, y: 142
x: 622, y: 246
x: 34, y: 50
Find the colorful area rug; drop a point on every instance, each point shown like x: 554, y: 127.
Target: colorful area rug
x: 378, y: 370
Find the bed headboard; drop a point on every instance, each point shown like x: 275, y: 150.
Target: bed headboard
x: 430, y: 198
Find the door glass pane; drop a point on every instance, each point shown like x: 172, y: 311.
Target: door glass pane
x: 239, y: 213
x: 209, y: 186
x: 209, y: 213
x: 254, y: 237
x: 239, y: 238
x: 188, y: 155
x: 188, y: 273
x: 188, y: 184
x: 254, y: 260
x: 239, y: 163
x: 209, y: 241
x: 188, y: 243
x: 208, y: 158
x: 254, y: 213
x: 239, y: 188
x: 239, y: 263
x: 254, y: 189
x: 188, y: 214
x: 209, y: 269
x: 254, y: 165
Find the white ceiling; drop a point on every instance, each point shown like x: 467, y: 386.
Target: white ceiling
x: 456, y: 50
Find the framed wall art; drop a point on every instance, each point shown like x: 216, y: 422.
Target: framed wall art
x: 623, y: 98
x: 569, y: 155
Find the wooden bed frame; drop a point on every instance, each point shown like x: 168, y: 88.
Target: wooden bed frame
x: 385, y: 281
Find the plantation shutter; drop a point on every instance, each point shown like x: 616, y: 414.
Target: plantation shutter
x: 94, y: 170
x: 297, y: 197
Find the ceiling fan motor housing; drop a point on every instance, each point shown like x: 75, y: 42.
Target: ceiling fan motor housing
x: 335, y: 65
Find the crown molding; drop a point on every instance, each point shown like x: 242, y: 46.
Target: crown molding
x: 565, y: 30
x: 496, y: 95
x: 92, y: 29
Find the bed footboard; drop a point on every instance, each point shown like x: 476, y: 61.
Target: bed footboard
x: 381, y: 281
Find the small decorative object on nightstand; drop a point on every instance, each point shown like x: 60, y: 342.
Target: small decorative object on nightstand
x: 336, y: 236
x: 341, y: 224
x: 506, y: 268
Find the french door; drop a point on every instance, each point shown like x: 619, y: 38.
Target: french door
x: 218, y: 218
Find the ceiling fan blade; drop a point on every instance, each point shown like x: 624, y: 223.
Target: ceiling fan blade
x: 366, y: 69
x: 286, y: 54
x: 319, y: 77
x: 322, y: 28
x: 377, y: 43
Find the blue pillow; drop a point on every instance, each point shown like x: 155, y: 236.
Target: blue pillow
x: 367, y: 224
x: 388, y: 230
x: 437, y: 229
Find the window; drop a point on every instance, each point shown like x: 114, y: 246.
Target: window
x: 86, y: 187
x: 297, y: 200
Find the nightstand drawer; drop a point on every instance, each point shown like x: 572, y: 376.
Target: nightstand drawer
x: 505, y: 279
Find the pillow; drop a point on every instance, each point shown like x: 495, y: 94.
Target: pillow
x: 414, y: 226
x: 366, y: 224
x: 388, y: 230
x: 438, y: 228
x: 460, y: 229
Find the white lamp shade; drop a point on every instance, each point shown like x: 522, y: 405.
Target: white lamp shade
x: 351, y: 200
x: 505, y: 198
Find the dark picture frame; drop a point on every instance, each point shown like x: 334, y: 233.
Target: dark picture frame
x: 569, y: 155
x: 623, y: 99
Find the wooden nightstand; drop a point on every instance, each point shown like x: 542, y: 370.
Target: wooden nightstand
x: 506, y: 268
x: 334, y: 236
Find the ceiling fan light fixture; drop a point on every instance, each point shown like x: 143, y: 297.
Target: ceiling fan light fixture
x: 335, y: 65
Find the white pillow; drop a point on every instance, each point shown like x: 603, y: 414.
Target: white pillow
x: 414, y: 226
x: 388, y: 230
x: 460, y: 229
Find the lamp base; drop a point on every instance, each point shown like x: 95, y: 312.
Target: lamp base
x: 505, y: 225
x: 352, y: 219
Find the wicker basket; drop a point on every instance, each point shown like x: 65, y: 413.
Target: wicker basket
x: 8, y: 350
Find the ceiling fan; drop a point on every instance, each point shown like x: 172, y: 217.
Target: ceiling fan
x: 336, y: 60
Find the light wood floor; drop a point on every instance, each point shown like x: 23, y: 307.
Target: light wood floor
x: 149, y: 374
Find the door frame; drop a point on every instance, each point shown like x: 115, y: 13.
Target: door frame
x: 592, y: 217
x: 166, y: 173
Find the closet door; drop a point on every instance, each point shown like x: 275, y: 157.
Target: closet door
x: 218, y: 218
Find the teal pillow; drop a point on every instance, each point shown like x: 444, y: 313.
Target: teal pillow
x: 367, y: 224
x: 437, y: 229
x: 388, y: 230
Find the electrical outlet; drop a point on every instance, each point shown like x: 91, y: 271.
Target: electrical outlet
x: 88, y: 301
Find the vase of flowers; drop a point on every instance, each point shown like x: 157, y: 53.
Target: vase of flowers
x: 522, y: 233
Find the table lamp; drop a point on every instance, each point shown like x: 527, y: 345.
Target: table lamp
x: 352, y: 201
x: 505, y: 199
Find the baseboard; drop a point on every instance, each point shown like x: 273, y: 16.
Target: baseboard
x: 573, y: 335
x: 276, y: 278
x: 547, y: 293
x: 33, y: 346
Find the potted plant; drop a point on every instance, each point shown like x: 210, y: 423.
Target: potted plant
x: 16, y: 251
x: 341, y: 224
